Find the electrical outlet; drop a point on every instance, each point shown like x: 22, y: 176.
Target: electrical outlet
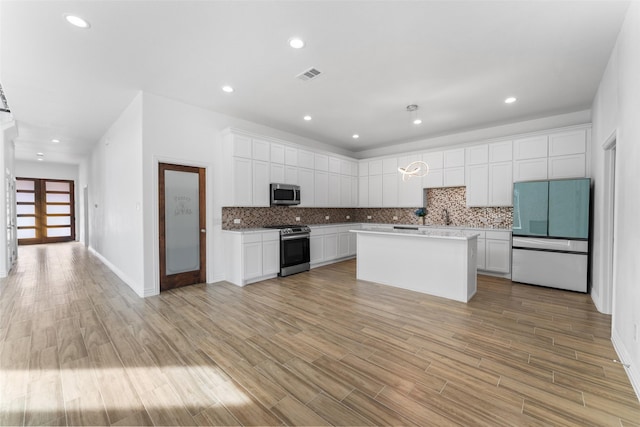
x: 395, y: 218
x: 348, y: 216
x: 237, y: 221
x: 298, y: 218
x: 368, y: 216
x: 326, y: 217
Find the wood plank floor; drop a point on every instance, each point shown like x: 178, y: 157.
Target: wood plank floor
x: 78, y: 347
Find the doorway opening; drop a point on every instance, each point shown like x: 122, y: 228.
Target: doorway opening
x: 182, y: 220
x: 45, y: 211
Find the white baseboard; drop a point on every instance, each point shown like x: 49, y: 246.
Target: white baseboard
x: 632, y: 370
x: 126, y: 279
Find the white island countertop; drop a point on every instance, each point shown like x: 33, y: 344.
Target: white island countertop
x: 435, y: 262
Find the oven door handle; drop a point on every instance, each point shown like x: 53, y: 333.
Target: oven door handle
x: 295, y: 236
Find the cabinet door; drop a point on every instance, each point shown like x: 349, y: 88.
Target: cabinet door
x: 375, y: 191
x: 252, y: 260
x: 316, y: 249
x: 454, y: 177
x: 530, y: 170
x: 477, y: 154
x: 498, y: 256
x: 343, y: 244
x: 390, y: 165
x: 434, y: 179
x: 375, y: 167
x: 271, y: 256
x: 277, y: 153
x: 334, y: 190
x: 330, y: 246
x: 390, y: 190
x: 241, y: 146
x: 477, y: 185
x: 321, y: 192
x: 501, y: 151
x: 353, y: 243
x: 501, y: 184
x: 291, y: 156
x: 354, y: 192
x: 530, y: 148
x: 565, y: 143
x: 572, y: 166
x: 363, y: 168
x: 363, y: 191
x: 260, y: 150
x: 334, y: 164
x: 345, y: 191
x: 307, y: 187
x: 434, y: 159
x: 291, y: 175
x: 481, y: 258
x: 305, y: 159
x: 242, y: 182
x: 260, y: 183
x: 321, y: 162
x: 454, y: 158
x: 410, y: 192
x: 277, y: 173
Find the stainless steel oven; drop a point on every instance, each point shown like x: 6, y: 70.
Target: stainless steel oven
x: 294, y: 248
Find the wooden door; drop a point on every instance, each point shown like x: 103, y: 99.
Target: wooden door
x: 45, y: 211
x: 182, y: 225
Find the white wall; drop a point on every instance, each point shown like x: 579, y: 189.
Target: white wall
x: 115, y: 197
x: 616, y: 110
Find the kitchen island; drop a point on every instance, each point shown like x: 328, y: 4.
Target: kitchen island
x: 439, y: 263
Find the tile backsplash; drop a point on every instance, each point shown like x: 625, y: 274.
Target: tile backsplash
x: 453, y: 199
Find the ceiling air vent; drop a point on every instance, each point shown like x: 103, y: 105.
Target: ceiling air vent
x: 310, y: 74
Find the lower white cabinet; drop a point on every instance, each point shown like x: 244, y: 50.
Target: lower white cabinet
x: 331, y: 243
x: 482, y: 254
x: 494, y: 250
x: 251, y: 256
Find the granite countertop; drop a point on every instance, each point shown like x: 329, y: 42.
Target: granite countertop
x: 379, y: 225
x: 420, y: 232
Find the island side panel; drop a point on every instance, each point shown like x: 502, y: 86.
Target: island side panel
x: 434, y: 266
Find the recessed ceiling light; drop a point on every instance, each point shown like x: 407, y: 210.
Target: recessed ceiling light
x: 76, y: 21
x: 510, y: 100
x: 417, y: 121
x: 307, y: 118
x: 355, y: 136
x: 39, y: 154
x: 41, y: 159
x: 227, y: 89
x: 55, y: 141
x: 296, y: 43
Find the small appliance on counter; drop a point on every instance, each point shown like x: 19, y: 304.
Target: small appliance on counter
x: 295, y: 255
x: 284, y: 194
x: 550, y: 244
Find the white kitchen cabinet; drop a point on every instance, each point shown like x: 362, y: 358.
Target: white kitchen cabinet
x: 453, y: 177
x: 390, y: 165
x: 434, y: 179
x: 476, y: 155
x: 251, y: 256
x: 363, y: 191
x: 321, y: 188
x: 530, y: 148
x: 498, y: 256
x: 390, y: 190
x: 435, y: 159
x: 277, y: 173
x: 316, y: 248
x: 260, y: 183
x: 565, y: 143
x: 481, y: 255
x: 343, y: 245
x: 306, y: 182
x: 306, y: 159
x: 501, y: 151
x: 331, y: 245
x: 454, y: 158
x: 333, y: 190
x: 375, y: 191
x: 345, y: 191
x: 321, y: 162
x: 530, y: 170
x: 354, y: 191
x: 241, y: 146
x: 410, y: 192
x: 291, y: 156
x: 260, y: 150
x: 500, y: 184
x: 571, y: 166
x: 270, y: 253
x: 334, y: 164
x: 291, y: 175
x: 375, y: 167
x: 241, y: 184
x: 277, y: 153
x: 363, y: 168
x: 477, y: 184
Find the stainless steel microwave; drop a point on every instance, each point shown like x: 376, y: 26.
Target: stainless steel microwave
x: 284, y: 194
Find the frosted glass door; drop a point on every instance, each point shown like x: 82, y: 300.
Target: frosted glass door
x: 182, y: 223
x: 530, y: 208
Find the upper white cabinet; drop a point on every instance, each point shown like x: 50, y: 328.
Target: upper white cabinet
x: 489, y: 174
x: 291, y: 156
x: 478, y: 185
x: 241, y: 146
x: 306, y: 181
x: 321, y: 162
x: 573, y: 142
x: 306, y: 159
x: 501, y: 151
x: 454, y: 168
x: 435, y: 177
x: 375, y: 167
x: 530, y: 148
x: 277, y: 154
x: 454, y: 158
x: 500, y: 184
x: 477, y: 155
x: 261, y: 150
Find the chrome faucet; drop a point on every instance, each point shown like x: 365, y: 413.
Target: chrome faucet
x: 445, y: 216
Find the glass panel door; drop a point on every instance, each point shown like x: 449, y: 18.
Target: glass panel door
x: 569, y: 208
x: 530, y: 208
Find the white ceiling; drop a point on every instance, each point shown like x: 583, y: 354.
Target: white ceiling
x: 457, y: 60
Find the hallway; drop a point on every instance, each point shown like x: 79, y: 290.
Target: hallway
x: 78, y: 347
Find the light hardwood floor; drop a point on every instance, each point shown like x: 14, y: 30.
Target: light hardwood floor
x: 78, y: 347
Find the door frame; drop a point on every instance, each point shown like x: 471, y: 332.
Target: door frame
x: 608, y: 276
x: 197, y: 276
